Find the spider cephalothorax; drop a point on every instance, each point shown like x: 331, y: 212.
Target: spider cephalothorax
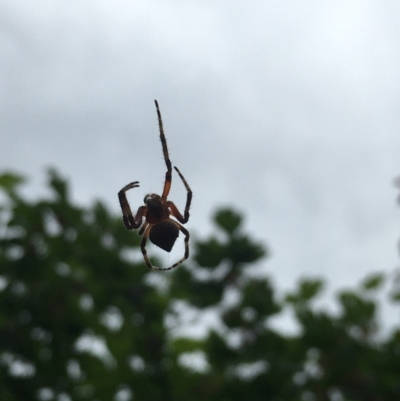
x: 157, y: 210
x: 158, y: 225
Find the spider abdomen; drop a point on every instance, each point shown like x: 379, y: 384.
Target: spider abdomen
x: 164, y: 235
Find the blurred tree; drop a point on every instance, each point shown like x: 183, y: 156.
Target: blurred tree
x: 80, y: 319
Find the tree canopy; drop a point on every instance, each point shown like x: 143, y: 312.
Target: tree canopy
x: 81, y: 319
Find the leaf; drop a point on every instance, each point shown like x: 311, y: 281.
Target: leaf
x: 306, y: 291
x: 310, y: 288
x: 373, y: 281
x: 228, y: 220
x: 209, y: 253
x: 10, y: 181
x: 243, y: 249
x: 182, y: 345
x: 395, y: 297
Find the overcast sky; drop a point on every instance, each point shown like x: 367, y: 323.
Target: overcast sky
x: 286, y: 110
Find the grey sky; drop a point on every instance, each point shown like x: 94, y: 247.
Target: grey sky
x: 287, y: 110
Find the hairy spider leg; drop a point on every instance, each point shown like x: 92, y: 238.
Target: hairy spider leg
x: 174, y: 210
x: 144, y: 252
x: 168, y: 174
x: 143, y: 228
x: 130, y: 221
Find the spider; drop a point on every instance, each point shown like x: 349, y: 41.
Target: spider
x: 158, y: 225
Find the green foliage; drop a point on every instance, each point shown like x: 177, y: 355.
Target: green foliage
x: 9, y: 182
x: 237, y: 249
x: 307, y: 290
x: 81, y: 319
x: 373, y: 281
x: 228, y: 220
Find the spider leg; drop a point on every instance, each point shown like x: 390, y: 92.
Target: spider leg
x: 175, y: 212
x: 168, y: 174
x: 130, y: 221
x: 144, y: 252
x: 143, y: 228
x: 143, y: 248
x: 186, y: 254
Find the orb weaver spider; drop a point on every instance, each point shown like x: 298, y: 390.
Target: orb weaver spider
x: 158, y: 225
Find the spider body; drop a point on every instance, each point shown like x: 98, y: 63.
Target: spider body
x: 157, y: 210
x: 154, y: 218
x: 164, y: 235
x: 164, y: 232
